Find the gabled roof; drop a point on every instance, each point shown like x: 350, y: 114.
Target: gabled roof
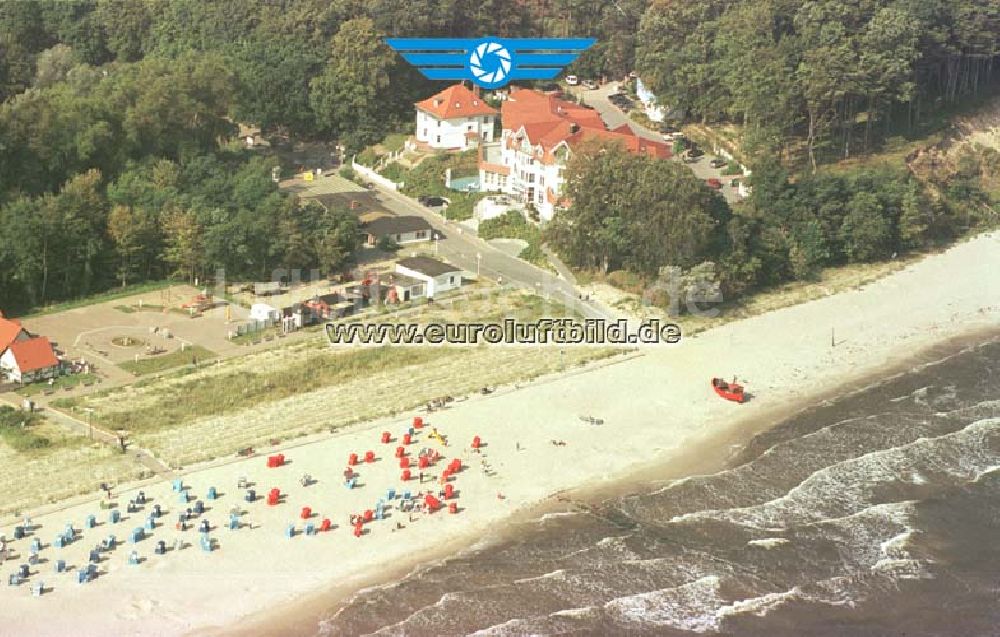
x: 526, y: 107
x: 396, y: 225
x: 33, y: 354
x: 454, y: 102
x: 10, y: 329
x: 427, y: 266
x: 548, y: 122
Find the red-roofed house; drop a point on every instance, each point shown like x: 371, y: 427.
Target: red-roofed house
x: 29, y: 360
x: 540, y: 132
x: 455, y: 118
x: 10, y: 331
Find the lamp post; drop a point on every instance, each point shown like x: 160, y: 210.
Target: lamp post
x: 479, y: 258
x: 90, y: 424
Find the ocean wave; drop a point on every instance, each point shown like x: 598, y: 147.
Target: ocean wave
x: 849, y: 486
x: 691, y: 606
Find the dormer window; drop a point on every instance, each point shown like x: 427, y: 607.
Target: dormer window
x: 458, y: 105
x: 475, y: 102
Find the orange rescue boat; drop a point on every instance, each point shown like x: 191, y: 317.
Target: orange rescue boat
x: 729, y: 391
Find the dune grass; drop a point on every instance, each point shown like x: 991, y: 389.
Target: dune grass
x: 163, y: 362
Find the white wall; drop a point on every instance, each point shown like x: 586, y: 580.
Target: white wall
x: 435, y: 285
x: 370, y: 174
x: 450, y: 133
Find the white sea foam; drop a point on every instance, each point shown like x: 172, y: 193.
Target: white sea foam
x: 759, y: 606
x: 768, y: 542
x: 845, y: 487
x: 691, y: 606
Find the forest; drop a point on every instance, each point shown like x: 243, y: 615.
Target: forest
x: 117, y: 121
x: 819, y: 79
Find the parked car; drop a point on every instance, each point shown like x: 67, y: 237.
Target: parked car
x: 589, y: 85
x: 735, y: 182
x: 714, y: 183
x: 694, y: 151
x: 668, y: 128
x: 572, y: 80
x: 550, y: 87
x: 718, y: 163
x: 433, y: 202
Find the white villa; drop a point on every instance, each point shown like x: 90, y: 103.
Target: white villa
x: 539, y: 134
x: 455, y: 118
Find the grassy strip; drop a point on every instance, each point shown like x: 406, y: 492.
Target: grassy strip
x: 18, y: 430
x: 163, y: 362
x: 63, y: 382
x: 229, y: 392
x: 512, y: 225
x: 103, y: 297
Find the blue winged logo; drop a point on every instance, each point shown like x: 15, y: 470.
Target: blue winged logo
x: 490, y: 62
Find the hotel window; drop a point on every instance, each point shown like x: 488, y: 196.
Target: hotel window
x: 439, y: 139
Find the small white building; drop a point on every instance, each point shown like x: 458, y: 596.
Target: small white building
x: 437, y: 276
x: 29, y: 360
x: 455, y: 118
x: 264, y: 312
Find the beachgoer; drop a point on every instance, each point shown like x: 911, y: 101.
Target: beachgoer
x: 518, y: 445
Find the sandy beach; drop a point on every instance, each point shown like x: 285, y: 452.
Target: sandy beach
x: 657, y: 408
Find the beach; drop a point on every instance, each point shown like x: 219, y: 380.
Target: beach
x: 657, y: 409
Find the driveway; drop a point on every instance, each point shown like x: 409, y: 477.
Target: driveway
x: 614, y: 117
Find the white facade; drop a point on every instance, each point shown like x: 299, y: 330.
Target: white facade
x: 454, y: 133
x: 13, y: 371
x: 263, y: 312
x: 530, y: 179
x: 434, y: 284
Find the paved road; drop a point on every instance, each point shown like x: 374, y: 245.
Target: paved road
x: 466, y: 250
x: 614, y: 117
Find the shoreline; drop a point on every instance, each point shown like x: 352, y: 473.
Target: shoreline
x: 304, y: 617
x: 659, y: 413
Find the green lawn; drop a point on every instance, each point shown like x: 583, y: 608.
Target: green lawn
x: 177, y: 358
x: 63, y: 382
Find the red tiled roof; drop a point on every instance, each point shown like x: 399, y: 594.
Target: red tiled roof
x: 525, y: 107
x: 33, y: 354
x: 9, y: 329
x: 455, y: 101
x: 548, y: 121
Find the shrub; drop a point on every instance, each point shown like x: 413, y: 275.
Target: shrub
x: 394, y: 171
x: 367, y: 157
x: 387, y: 244
x: 347, y: 173
x: 18, y: 437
